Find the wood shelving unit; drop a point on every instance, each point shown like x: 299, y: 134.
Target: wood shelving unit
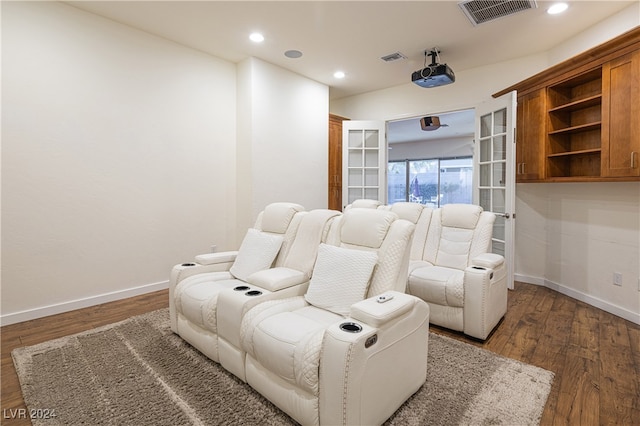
x: 574, y: 121
x: 579, y: 121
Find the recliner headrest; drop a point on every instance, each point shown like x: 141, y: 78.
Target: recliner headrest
x: 277, y: 216
x: 461, y: 215
x: 366, y: 227
x: 365, y: 204
x: 407, y: 211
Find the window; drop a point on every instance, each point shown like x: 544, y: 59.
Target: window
x: 432, y: 182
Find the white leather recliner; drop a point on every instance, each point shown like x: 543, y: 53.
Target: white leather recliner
x: 194, y: 287
x: 336, y: 355
x: 453, y: 270
x: 290, y: 278
x: 364, y: 203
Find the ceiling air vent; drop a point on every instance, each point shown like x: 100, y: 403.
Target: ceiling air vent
x: 481, y: 11
x: 393, y: 57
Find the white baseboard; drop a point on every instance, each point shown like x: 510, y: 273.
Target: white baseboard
x: 59, y: 308
x: 634, y: 317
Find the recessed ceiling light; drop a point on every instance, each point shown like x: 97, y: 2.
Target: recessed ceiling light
x: 339, y: 74
x: 293, y: 54
x: 557, y: 8
x: 256, y: 37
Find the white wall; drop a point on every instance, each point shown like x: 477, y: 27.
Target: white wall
x: 283, y: 141
x: 124, y: 154
x: 117, y: 158
x: 565, y: 234
x: 573, y: 236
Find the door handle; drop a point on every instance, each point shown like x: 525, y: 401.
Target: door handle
x: 633, y: 157
x: 505, y: 215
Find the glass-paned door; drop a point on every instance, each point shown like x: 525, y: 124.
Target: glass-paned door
x: 364, y: 161
x: 495, y: 176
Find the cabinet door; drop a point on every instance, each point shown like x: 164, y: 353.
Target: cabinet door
x: 530, y: 136
x: 621, y: 116
x: 335, y: 162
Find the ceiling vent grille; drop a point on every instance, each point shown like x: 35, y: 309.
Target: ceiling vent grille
x: 396, y: 56
x: 481, y: 11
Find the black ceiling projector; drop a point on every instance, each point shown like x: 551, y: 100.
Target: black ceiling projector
x: 433, y: 75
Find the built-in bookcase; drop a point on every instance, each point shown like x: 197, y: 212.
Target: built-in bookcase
x: 574, y: 126
x: 579, y: 121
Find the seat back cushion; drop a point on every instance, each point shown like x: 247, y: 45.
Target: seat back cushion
x: 276, y: 217
x: 312, y: 231
x: 257, y: 252
x: 482, y: 235
x: 451, y: 234
x: 463, y: 216
x: 405, y: 210
x: 364, y: 204
x: 340, y: 278
x: 365, y: 227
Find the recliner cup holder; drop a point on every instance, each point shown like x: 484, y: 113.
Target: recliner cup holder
x: 253, y: 293
x: 351, y: 327
x: 188, y: 264
x: 241, y: 288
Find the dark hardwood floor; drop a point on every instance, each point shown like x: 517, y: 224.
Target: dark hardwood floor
x: 595, y: 355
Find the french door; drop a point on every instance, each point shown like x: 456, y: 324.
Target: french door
x: 364, y: 161
x: 494, y: 182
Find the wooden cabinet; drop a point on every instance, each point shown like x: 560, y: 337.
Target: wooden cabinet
x: 335, y: 162
x: 574, y: 126
x: 530, y: 136
x: 621, y: 116
x: 580, y: 120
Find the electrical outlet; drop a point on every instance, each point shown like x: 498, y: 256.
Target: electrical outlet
x: 214, y: 248
x: 617, y: 278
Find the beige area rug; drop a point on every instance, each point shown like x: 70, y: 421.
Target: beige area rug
x: 136, y: 372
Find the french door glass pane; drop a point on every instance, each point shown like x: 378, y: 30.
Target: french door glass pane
x: 354, y: 194
x: 371, y: 177
x: 498, y: 201
x: 499, y: 148
x: 498, y: 247
x: 485, y: 150
x: 499, y: 174
x: 371, y: 158
x: 355, y: 177
x: 498, y: 228
x: 355, y: 139
x: 485, y: 199
x: 485, y: 125
x: 500, y: 121
x: 355, y: 158
x: 371, y: 193
x: 371, y: 139
x: 485, y: 174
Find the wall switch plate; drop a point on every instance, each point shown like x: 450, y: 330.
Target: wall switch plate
x: 617, y: 278
x: 214, y: 248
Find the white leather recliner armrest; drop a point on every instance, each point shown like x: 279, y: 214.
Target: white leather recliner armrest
x: 488, y: 260
x: 374, y: 360
x: 214, y: 258
x: 376, y: 314
x: 485, y: 296
x: 277, y: 278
